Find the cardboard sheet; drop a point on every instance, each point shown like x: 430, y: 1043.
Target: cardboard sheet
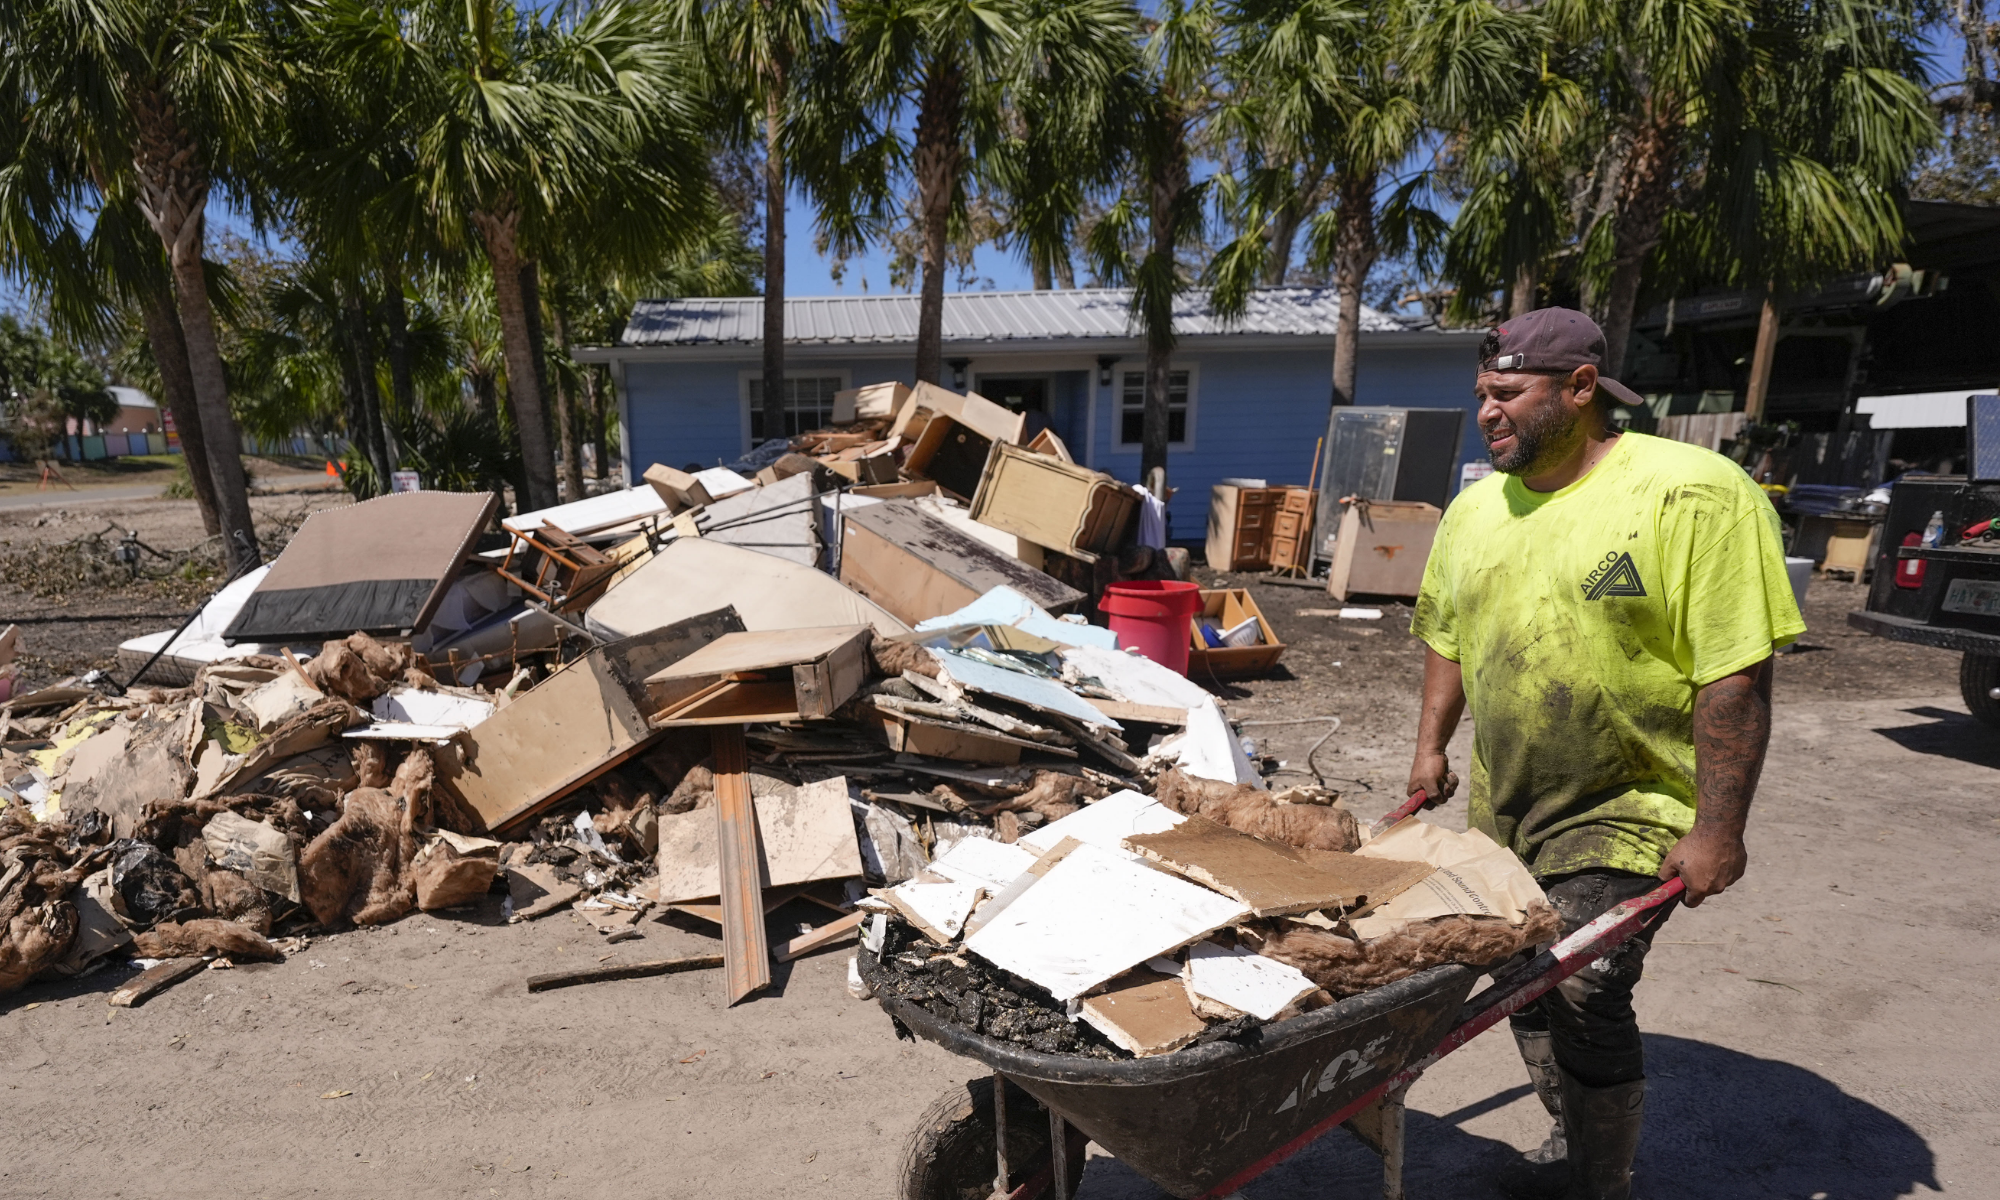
x: 380, y: 567
x: 1475, y: 876
x: 1272, y: 878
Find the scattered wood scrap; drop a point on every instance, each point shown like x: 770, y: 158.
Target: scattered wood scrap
x: 746, y: 950
x: 1272, y: 878
x: 825, y: 935
x: 154, y: 980
x: 636, y: 970
x: 1145, y: 1013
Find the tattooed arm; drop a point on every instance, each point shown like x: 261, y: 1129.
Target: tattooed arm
x: 1732, y: 727
x: 1444, y: 704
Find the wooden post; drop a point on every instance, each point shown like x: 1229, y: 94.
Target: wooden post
x: 1760, y: 360
x: 745, y: 948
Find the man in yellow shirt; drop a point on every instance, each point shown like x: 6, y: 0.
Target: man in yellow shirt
x: 1606, y: 604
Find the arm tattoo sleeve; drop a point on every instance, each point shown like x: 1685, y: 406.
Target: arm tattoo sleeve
x: 1732, y: 728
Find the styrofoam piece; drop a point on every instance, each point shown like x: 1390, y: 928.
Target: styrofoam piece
x: 1244, y: 980
x: 430, y: 708
x: 1106, y: 824
x: 405, y: 731
x: 1095, y: 915
x: 1208, y: 748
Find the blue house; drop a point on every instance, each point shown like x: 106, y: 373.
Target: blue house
x: 1249, y: 399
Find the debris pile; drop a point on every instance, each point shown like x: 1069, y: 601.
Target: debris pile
x: 854, y: 670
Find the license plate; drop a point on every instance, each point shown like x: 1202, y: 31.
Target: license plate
x: 1978, y: 596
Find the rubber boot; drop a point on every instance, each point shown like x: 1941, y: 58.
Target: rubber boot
x: 1541, y: 1173
x: 1603, y: 1136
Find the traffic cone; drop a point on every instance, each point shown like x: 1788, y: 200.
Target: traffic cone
x: 332, y: 471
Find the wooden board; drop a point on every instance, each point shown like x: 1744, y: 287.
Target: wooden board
x: 1146, y: 1013
x: 779, y: 675
x: 633, y: 970
x: 570, y: 728
x: 746, y: 951
x: 1272, y: 878
x: 918, y: 567
x: 825, y: 935
x: 804, y: 834
x: 1382, y: 548
x: 154, y: 980
x: 1052, y: 503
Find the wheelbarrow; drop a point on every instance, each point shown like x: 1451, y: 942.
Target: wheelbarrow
x: 1206, y: 1120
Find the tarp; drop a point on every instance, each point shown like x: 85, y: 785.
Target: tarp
x: 380, y: 567
x: 690, y: 576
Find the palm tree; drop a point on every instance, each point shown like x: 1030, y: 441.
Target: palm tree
x: 1142, y: 236
x: 182, y: 94
x: 758, y: 51
x: 1329, y: 81
x: 528, y: 128
x: 946, y: 59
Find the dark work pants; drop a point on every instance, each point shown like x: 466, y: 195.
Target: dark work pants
x: 1589, y: 1015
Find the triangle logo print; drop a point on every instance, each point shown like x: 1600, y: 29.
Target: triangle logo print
x: 1618, y: 578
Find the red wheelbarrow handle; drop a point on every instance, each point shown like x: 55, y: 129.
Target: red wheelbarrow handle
x: 1407, y: 808
x: 1508, y: 995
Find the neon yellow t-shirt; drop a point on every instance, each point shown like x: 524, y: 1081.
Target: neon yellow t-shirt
x: 1585, y: 620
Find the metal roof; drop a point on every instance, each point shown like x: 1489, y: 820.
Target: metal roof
x: 1072, y: 315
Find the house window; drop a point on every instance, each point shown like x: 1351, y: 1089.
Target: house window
x: 1132, y: 408
x: 808, y: 404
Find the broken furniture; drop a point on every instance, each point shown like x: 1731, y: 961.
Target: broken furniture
x: 950, y: 436
x: 556, y: 567
x: 774, y: 675
x: 1052, y: 503
x: 918, y: 567
x: 379, y: 567
x: 1250, y: 646
x: 1407, y: 454
x: 580, y: 722
x: 690, y: 576
x: 1381, y: 548
x: 1206, y: 1120
x: 1248, y: 527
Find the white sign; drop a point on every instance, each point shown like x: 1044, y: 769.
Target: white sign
x: 405, y: 481
x: 1472, y: 472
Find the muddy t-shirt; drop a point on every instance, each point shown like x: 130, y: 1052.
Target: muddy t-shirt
x: 1584, y: 621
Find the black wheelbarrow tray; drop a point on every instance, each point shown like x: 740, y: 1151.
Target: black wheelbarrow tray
x: 1204, y: 1121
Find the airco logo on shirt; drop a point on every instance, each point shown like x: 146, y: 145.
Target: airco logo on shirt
x: 1614, y: 575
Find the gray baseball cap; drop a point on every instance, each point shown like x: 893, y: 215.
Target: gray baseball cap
x: 1555, y: 341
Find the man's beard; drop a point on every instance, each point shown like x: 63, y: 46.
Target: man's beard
x: 1549, y: 433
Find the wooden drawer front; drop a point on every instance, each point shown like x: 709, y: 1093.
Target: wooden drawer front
x: 1287, y: 525
x: 1297, y: 500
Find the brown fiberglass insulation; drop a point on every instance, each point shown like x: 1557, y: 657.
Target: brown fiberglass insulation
x: 1249, y: 809
x: 360, y: 868
x: 1346, y: 967
x: 203, y: 936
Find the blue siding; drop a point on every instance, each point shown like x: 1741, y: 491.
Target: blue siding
x: 1257, y: 413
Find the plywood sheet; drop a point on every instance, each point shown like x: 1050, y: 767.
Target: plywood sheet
x: 1272, y: 878
x: 804, y: 834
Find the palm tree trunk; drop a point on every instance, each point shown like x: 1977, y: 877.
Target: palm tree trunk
x: 520, y: 349
x: 1644, y: 196
x: 937, y: 162
x: 569, y: 444
x: 600, y: 435
x: 1521, y: 298
x: 774, y: 266
x: 1043, y: 278
x: 1161, y: 281
x: 367, y: 390
x: 1354, y: 254
x: 402, y: 381
x: 1285, y: 226
x: 173, y: 190
x: 163, y: 333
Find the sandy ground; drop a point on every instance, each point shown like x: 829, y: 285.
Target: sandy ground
x: 1821, y: 1031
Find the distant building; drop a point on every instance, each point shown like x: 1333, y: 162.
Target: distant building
x: 1248, y: 400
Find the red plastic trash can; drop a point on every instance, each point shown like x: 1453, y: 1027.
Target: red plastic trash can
x: 1151, y: 616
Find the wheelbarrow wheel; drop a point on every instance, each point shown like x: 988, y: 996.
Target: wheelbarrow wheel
x: 951, y: 1155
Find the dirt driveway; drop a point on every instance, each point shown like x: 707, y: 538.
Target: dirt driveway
x: 1823, y: 1030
